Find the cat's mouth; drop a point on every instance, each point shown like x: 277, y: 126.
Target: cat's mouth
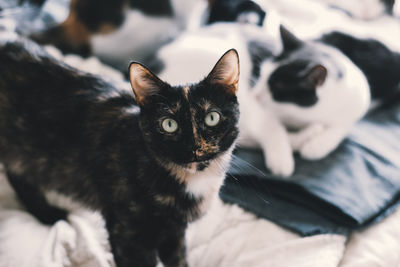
x: 197, y: 166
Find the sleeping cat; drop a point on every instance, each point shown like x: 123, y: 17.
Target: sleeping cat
x: 321, y: 88
x: 116, y: 30
x: 150, y: 166
x: 316, y: 91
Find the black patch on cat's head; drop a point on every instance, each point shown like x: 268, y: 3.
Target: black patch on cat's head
x: 297, y: 82
x: 235, y: 11
x: 193, y: 141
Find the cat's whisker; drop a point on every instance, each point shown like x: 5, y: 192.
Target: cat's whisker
x: 248, y: 164
x: 252, y: 182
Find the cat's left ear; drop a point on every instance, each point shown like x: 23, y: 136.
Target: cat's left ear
x: 226, y: 72
x: 144, y: 83
x: 289, y: 40
x: 316, y: 76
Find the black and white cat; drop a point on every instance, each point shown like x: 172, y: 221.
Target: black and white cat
x: 320, y: 88
x: 316, y: 91
x: 149, y: 166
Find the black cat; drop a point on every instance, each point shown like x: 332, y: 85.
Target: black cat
x: 150, y: 166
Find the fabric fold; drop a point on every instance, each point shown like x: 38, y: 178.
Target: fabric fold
x: 352, y: 187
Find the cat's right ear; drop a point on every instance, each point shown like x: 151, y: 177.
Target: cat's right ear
x: 144, y: 83
x: 226, y: 72
x: 316, y: 76
x: 289, y: 40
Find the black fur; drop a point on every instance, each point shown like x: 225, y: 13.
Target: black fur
x: 380, y: 65
x: 296, y: 82
x: 153, y: 7
x: 59, y: 131
x: 389, y: 4
x: 35, y: 2
x: 231, y: 10
x: 290, y: 43
x: 94, y: 13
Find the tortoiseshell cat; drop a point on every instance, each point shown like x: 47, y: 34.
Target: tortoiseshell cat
x: 150, y: 168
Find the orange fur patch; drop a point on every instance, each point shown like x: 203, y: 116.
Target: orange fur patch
x: 76, y: 32
x: 165, y: 200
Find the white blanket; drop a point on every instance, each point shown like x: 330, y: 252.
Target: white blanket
x: 226, y: 237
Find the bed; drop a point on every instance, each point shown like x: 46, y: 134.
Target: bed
x: 227, y: 235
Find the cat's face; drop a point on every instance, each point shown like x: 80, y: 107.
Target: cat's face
x: 297, y: 82
x: 189, y: 124
x: 298, y: 73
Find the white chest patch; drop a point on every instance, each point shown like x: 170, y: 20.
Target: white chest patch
x: 204, y: 184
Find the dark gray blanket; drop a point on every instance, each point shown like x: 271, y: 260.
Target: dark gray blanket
x: 357, y: 184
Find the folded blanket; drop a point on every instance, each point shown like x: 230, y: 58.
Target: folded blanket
x: 350, y: 188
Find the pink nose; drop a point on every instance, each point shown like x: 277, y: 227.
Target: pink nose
x: 199, y: 153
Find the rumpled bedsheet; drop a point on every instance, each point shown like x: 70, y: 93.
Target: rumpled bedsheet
x: 354, y: 186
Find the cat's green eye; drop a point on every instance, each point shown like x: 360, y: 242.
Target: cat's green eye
x: 169, y: 125
x: 212, y: 118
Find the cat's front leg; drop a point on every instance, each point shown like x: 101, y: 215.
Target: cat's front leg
x: 323, y: 142
x: 172, y: 249
x: 299, y: 138
x: 34, y: 200
x: 274, y: 140
x: 130, y: 246
x: 278, y: 153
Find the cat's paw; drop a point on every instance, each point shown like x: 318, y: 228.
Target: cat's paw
x: 280, y: 163
x: 298, y: 139
x: 315, y: 149
x: 321, y: 145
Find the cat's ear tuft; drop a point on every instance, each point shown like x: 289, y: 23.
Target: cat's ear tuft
x: 144, y: 83
x: 226, y: 71
x: 316, y: 76
x: 289, y: 40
